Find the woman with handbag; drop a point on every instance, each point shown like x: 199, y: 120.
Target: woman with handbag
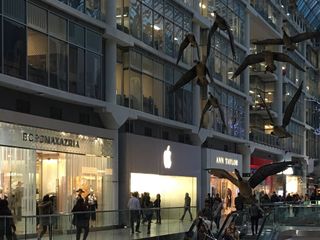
x: 255, y: 213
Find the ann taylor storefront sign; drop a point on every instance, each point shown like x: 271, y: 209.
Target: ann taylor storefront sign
x: 50, y: 140
x: 227, y: 161
x: 223, y: 160
x: 13, y: 135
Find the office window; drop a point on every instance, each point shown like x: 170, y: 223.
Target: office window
x: 37, y: 18
x: 58, y: 66
x: 76, y: 70
x: 14, y: 49
x: 15, y: 9
x: 135, y: 19
x: 76, y: 34
x: 57, y: 26
x: 94, y: 42
x: 93, y: 75
x: 37, y: 57
x: 147, y: 25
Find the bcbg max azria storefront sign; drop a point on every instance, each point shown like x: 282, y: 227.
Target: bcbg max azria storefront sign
x: 67, y: 142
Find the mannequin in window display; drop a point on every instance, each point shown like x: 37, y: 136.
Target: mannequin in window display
x: 18, y: 195
x: 92, y: 202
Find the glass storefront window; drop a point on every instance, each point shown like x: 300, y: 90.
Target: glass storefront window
x: 135, y: 90
x: 135, y: 19
x: 57, y: 26
x: 147, y: 18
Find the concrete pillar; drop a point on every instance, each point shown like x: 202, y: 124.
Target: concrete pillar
x: 278, y: 100
x: 110, y: 53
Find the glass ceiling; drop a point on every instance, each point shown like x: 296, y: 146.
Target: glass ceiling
x: 311, y: 11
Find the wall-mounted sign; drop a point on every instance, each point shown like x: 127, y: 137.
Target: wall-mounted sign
x: 227, y: 161
x: 167, y: 158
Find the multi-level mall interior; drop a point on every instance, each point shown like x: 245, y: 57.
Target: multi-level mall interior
x: 160, y: 119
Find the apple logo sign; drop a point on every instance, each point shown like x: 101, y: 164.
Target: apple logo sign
x: 167, y: 157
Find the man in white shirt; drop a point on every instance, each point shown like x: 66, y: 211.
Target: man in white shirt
x: 134, y: 207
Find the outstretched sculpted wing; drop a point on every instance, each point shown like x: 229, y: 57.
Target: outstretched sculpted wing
x: 290, y: 107
x: 187, y: 77
x: 221, y: 173
x: 304, y: 36
x: 183, y: 45
x: 268, y: 170
x: 250, y: 59
x: 272, y: 41
x: 282, y: 57
x: 205, y: 109
x: 213, y: 28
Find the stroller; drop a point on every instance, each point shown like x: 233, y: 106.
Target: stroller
x: 204, y: 230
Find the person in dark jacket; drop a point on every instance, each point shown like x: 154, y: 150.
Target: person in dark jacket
x: 157, y: 204
x: 7, y: 226
x: 148, y: 213
x: 187, y: 206
x: 45, y: 208
x: 81, y: 218
x: 238, y: 202
x: 255, y: 212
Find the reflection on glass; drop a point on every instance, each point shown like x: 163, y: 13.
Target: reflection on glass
x: 93, y: 75
x: 76, y: 70
x: 147, y: 18
x: 14, y: 46
x: 58, y: 64
x: 37, y: 57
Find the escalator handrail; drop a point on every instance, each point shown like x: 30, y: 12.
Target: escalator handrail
x: 221, y: 230
x: 264, y: 219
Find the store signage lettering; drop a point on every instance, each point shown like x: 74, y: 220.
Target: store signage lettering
x: 50, y: 140
x: 227, y: 161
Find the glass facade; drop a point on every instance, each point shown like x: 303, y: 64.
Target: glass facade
x: 231, y: 10
x: 160, y: 24
x: 233, y: 108
x: 52, y: 51
x: 221, y: 63
x: 92, y: 8
x: 143, y: 82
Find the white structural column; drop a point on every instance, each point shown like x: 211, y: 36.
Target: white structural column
x: 278, y: 97
x: 245, y: 150
x: 110, y: 53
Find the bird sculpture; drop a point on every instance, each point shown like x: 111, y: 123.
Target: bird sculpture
x: 287, y: 41
x: 246, y: 186
x: 189, y: 39
x: 199, y: 70
x: 212, y: 102
x: 280, y: 131
x: 222, y: 24
x: 268, y: 57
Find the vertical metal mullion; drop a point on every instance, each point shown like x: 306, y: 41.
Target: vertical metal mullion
x: 48, y: 51
x: 26, y: 27
x: 68, y: 54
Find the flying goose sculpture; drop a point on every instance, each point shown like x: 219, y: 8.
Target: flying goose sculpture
x: 212, y: 102
x: 199, y: 70
x: 189, y: 39
x: 222, y: 24
x: 268, y: 57
x: 280, y: 131
x: 287, y: 41
x: 246, y: 186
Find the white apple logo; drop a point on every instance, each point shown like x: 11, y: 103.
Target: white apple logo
x: 167, y: 157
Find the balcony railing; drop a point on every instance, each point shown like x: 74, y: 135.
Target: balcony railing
x: 259, y: 136
x: 108, y: 224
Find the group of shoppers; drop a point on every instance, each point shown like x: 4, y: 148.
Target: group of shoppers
x: 143, y: 208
